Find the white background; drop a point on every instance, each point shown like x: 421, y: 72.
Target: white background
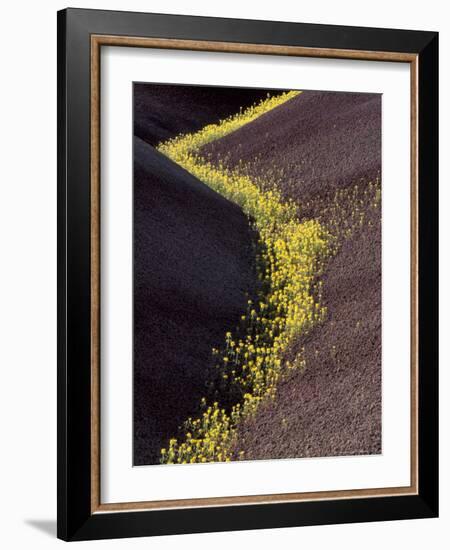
x: 28, y: 274
x: 122, y: 483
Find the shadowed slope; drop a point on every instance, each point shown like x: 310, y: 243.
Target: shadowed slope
x: 192, y: 268
x: 162, y: 111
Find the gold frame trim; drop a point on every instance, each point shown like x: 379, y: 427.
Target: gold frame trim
x: 174, y: 44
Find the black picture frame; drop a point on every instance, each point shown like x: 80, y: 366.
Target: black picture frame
x: 76, y: 520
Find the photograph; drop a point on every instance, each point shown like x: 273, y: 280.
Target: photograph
x: 222, y: 254
x: 257, y: 318
x: 247, y: 273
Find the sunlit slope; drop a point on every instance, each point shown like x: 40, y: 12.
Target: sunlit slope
x: 323, y: 152
x: 314, y: 144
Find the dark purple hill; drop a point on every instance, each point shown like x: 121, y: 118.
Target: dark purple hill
x: 321, y: 141
x: 192, y: 267
x: 313, y: 145
x: 162, y: 111
x: 333, y: 408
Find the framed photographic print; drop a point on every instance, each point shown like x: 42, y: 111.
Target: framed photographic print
x: 247, y: 255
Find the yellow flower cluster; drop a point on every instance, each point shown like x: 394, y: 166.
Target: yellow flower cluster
x: 211, y: 132
x: 290, y: 255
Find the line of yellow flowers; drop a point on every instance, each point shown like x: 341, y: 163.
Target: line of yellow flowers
x: 289, y: 257
x: 211, y: 132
